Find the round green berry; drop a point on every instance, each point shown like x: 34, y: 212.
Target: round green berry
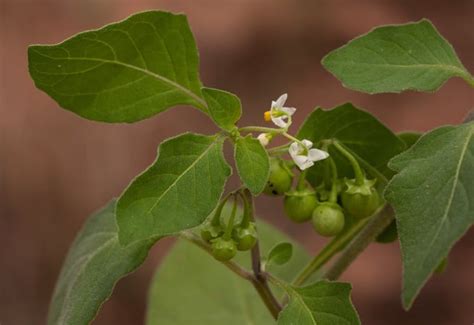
x: 245, y: 237
x: 299, y: 205
x: 223, y: 249
x: 328, y: 219
x: 360, y: 201
x: 280, y: 178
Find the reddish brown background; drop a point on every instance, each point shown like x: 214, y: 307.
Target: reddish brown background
x: 55, y: 168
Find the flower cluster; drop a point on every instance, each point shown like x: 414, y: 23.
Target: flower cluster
x: 301, y: 152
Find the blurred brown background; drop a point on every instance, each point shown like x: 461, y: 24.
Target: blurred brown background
x: 55, y: 168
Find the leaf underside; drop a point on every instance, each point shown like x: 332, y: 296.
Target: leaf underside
x: 95, y: 262
x: 433, y: 197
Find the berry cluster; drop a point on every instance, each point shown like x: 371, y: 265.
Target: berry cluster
x: 328, y: 205
x: 227, y: 238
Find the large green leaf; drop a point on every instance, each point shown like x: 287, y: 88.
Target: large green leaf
x: 224, y: 108
x: 123, y: 72
x: 394, y: 58
x: 190, y: 287
x: 95, y: 262
x: 361, y: 133
x: 433, y: 198
x: 252, y: 163
x: 322, y: 303
x: 177, y: 192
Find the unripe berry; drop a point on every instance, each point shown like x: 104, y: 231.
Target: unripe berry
x: 328, y: 219
x: 299, y: 205
x: 280, y: 178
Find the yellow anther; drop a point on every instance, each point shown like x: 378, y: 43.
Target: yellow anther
x: 267, y: 116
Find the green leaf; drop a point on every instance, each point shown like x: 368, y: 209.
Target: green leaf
x: 225, y: 108
x: 280, y: 254
x: 95, y: 262
x: 322, y: 303
x: 178, y: 191
x: 395, y: 58
x: 409, y: 138
x: 190, y: 287
x: 362, y: 134
x: 123, y: 72
x: 252, y: 163
x: 433, y: 196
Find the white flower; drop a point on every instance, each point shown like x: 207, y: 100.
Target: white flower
x: 304, y: 156
x: 264, y: 138
x: 279, y: 114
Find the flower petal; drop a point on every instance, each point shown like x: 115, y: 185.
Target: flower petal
x: 316, y: 154
x: 294, y: 149
x: 303, y: 162
x: 281, y: 100
x: 308, y: 144
x: 280, y: 121
x: 288, y: 110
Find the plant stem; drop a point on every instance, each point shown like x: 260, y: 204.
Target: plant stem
x: 327, y: 252
x: 333, y: 194
x: 260, y: 280
x: 279, y: 149
x: 260, y: 129
x: 359, y: 176
x: 301, y: 184
x: 375, y: 227
x: 234, y: 267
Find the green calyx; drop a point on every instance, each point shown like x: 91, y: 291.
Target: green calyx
x: 360, y: 201
x: 223, y: 249
x: 245, y: 237
x: 280, y: 179
x: 364, y: 189
x: 328, y: 219
x: 299, y: 205
x: 209, y: 231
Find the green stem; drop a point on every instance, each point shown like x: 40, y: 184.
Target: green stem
x: 216, y: 219
x: 261, y: 129
x: 468, y: 78
x: 247, y: 211
x: 230, y: 224
x: 359, y: 176
x: 279, y: 149
x: 327, y: 252
x: 301, y: 185
x: 333, y: 195
x: 292, y: 138
x: 375, y: 227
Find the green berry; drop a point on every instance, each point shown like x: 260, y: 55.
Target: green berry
x: 223, y: 249
x: 245, y: 237
x: 360, y: 201
x: 299, y: 205
x: 280, y: 178
x: 328, y: 219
